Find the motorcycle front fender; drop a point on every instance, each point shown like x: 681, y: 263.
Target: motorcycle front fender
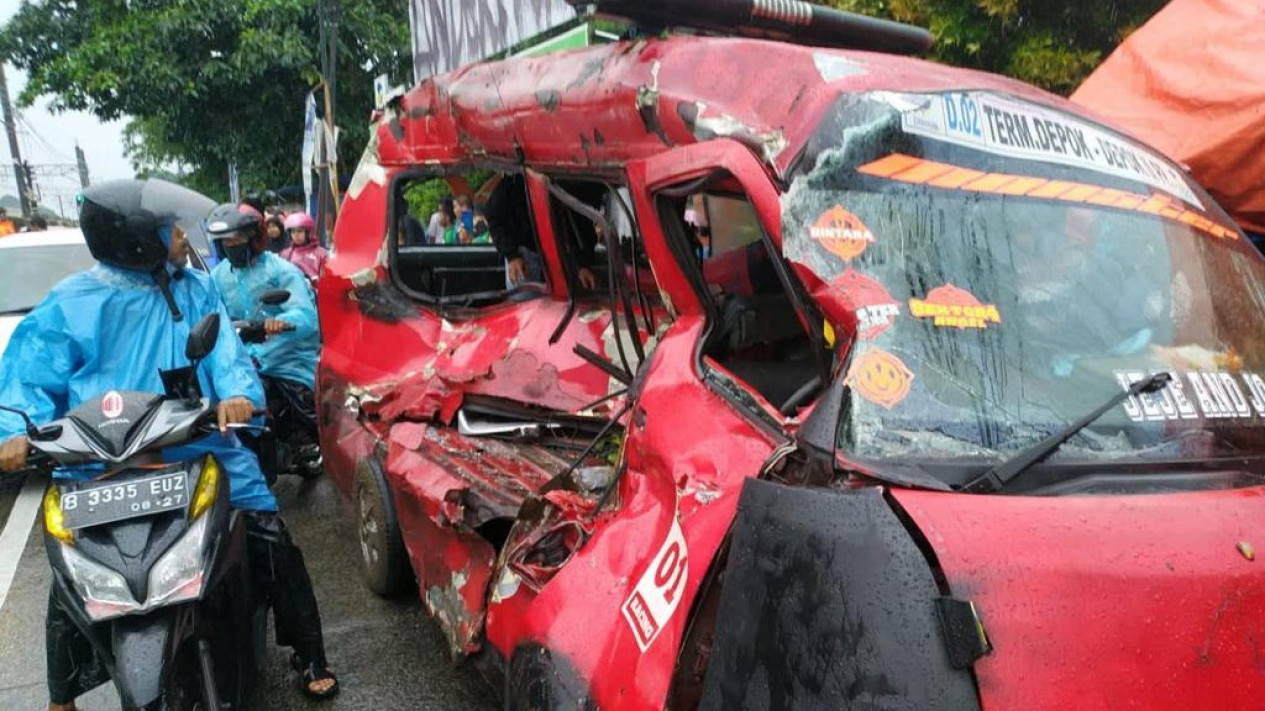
x: 145, y: 653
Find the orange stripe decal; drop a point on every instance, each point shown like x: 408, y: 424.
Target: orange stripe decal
x: 890, y: 165
x: 916, y: 171
x: 956, y: 179
x: 923, y: 172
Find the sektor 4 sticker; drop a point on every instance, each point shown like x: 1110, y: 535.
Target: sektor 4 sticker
x: 658, y: 594
x: 866, y: 299
x: 880, y: 377
x: 951, y: 307
x: 842, y: 233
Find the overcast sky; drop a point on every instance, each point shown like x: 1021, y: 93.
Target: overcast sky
x: 46, y: 138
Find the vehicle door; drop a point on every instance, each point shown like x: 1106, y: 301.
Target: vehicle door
x: 704, y: 419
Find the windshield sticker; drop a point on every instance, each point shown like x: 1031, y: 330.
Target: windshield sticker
x: 907, y: 169
x: 1191, y: 395
x: 951, y: 307
x: 864, y: 299
x: 842, y: 233
x: 880, y: 377
x: 1021, y: 130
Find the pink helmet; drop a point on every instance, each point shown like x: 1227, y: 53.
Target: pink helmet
x: 300, y: 221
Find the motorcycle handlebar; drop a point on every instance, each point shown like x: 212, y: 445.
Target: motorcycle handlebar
x: 256, y: 331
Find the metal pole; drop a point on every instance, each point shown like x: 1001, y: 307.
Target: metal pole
x: 19, y: 172
x: 82, y: 160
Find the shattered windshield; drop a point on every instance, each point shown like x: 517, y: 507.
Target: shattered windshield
x: 1005, y: 268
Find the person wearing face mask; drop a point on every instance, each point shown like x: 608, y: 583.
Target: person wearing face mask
x: 245, y: 272
x: 303, y: 251
x: 287, y: 357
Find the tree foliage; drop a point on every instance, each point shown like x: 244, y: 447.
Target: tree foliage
x: 207, y: 82
x: 1054, y: 45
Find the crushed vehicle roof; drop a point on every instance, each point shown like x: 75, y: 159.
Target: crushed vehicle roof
x: 599, y: 107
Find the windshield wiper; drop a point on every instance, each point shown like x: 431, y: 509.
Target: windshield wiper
x: 999, y: 476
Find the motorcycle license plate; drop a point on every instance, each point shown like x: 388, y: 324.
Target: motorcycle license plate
x: 109, y: 502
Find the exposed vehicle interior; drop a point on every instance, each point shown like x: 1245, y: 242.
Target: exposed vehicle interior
x: 440, y: 253
x: 757, y: 334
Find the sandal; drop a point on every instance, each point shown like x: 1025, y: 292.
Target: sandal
x: 312, y: 673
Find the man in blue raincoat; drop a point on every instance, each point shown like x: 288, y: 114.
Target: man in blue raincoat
x: 287, y: 356
x: 114, y: 327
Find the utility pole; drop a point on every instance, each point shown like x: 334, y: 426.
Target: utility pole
x: 82, y: 160
x: 19, y: 171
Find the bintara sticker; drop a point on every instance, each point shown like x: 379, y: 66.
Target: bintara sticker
x: 880, y: 377
x: 868, y: 300
x: 951, y: 307
x: 842, y: 233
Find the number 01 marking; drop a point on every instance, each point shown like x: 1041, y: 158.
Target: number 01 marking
x: 658, y: 593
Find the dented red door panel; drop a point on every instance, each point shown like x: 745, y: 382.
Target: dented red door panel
x: 1050, y: 592
x: 447, y: 487
x: 618, y: 609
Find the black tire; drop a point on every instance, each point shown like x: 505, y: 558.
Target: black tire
x: 384, y: 562
x: 184, y: 687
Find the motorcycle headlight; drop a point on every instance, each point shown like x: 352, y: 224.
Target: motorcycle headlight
x: 104, y: 592
x: 178, y: 576
x: 208, y: 487
x: 54, y: 519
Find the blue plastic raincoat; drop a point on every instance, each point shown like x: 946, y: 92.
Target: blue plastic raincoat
x: 110, y: 329
x: 290, y: 355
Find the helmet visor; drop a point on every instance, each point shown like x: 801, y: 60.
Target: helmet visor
x: 177, y: 205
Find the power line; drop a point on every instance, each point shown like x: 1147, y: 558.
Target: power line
x: 52, y: 150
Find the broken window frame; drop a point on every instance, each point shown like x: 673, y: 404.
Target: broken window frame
x: 724, y: 382
x: 465, y: 305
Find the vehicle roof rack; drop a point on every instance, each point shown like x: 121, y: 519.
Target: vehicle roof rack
x: 792, y: 21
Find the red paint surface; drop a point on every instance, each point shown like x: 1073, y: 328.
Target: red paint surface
x: 1108, y: 602
x: 1051, y: 596
x: 675, y: 469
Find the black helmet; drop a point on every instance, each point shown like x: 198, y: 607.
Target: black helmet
x: 126, y: 224
x: 231, y: 220
x: 124, y: 221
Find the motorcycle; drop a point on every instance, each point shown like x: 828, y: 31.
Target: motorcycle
x: 291, y: 444
x: 148, y: 559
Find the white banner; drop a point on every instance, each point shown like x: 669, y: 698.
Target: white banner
x: 309, y: 153
x: 448, y: 34
x: 1021, y: 130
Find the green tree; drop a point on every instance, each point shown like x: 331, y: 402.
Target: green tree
x: 208, y: 82
x: 1054, y: 45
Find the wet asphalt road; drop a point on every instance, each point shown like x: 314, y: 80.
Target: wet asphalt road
x: 388, y: 654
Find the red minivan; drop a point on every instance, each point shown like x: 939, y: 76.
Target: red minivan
x: 772, y: 375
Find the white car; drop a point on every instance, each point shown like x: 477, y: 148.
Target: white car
x: 31, y: 264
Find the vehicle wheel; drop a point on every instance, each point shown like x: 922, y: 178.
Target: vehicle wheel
x: 184, y: 689
x: 308, y: 462
x: 384, y: 562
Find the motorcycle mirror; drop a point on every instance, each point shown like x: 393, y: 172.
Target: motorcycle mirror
x: 275, y: 297
x: 202, y: 338
x: 32, y: 432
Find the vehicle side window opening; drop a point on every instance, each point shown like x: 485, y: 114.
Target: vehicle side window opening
x: 452, y: 235
x: 604, y: 258
x: 756, y: 331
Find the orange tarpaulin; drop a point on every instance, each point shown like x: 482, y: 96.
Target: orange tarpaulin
x: 1191, y: 82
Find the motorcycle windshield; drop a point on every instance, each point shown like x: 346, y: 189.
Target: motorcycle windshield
x: 1004, y: 268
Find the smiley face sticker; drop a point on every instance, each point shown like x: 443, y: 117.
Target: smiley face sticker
x: 842, y: 233
x: 880, y: 377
